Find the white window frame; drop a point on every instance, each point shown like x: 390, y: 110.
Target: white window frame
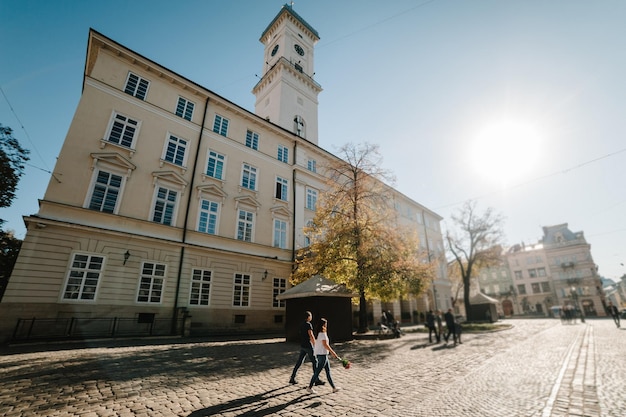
x: 83, y: 269
x: 311, y: 165
x: 282, y: 154
x: 311, y: 198
x: 245, y: 225
x: 151, y: 283
x: 156, y: 199
x: 220, y: 161
x: 128, y: 129
x: 280, y: 233
x: 243, y: 284
x: 200, y: 287
x: 108, y: 189
x: 174, y: 147
x: 249, y: 175
x: 184, y: 108
x: 281, y: 189
x: 140, y: 90
x: 209, y: 214
x: 220, y: 125
x: 252, y: 140
x: 279, y: 286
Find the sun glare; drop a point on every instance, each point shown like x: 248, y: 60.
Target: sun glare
x: 505, y: 151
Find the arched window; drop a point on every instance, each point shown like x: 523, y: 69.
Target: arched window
x: 298, y: 126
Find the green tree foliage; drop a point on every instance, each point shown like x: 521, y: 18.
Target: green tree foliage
x: 12, y: 159
x: 9, y: 249
x: 355, y: 238
x: 476, y: 244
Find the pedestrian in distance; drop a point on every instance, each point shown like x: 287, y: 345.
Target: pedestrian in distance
x: 458, y: 329
x: 307, y: 341
x: 614, y: 312
x: 322, y: 349
x: 430, y: 323
x: 439, y: 323
x: 450, y: 325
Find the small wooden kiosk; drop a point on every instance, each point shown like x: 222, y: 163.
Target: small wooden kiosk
x: 325, y: 299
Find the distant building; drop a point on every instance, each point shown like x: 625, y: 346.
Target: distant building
x: 170, y: 201
x: 559, y: 270
x: 574, y: 273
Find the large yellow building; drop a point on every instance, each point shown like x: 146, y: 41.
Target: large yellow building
x: 168, y: 201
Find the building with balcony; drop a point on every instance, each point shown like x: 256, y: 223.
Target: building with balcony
x: 169, y: 201
x: 574, y: 273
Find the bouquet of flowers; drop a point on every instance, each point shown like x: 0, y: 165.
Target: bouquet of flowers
x: 345, y: 363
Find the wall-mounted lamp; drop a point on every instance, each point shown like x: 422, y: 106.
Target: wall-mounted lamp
x: 264, y: 275
x: 126, y: 256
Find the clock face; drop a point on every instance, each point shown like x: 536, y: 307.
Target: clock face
x: 298, y: 49
x: 274, y: 50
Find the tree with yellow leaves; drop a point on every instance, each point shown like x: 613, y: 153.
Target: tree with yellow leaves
x: 355, y: 237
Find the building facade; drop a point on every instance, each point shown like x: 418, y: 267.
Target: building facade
x: 168, y: 200
x: 557, y: 271
x: 575, y: 274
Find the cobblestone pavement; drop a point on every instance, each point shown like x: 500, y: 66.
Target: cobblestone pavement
x: 537, y: 368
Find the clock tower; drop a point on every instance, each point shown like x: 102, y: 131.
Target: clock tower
x: 287, y: 93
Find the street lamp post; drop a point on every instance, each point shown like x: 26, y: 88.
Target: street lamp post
x: 576, y: 304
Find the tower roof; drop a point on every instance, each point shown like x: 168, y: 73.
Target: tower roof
x: 287, y: 8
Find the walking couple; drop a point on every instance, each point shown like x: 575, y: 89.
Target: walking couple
x: 317, y: 349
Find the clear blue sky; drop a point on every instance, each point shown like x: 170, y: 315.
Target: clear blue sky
x: 423, y: 79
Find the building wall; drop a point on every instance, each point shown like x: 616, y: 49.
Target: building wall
x: 66, y: 231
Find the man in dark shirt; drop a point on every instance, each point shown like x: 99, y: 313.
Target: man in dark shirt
x: 307, y: 341
x: 430, y: 322
x: 614, y: 312
x: 451, y: 325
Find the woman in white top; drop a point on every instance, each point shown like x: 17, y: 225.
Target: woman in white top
x: 321, y: 350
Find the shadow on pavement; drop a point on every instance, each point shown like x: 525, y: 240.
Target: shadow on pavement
x: 248, y: 406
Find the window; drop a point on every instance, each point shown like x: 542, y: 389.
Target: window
x: 200, y: 287
x: 123, y: 131
x: 151, y: 283
x: 280, y: 234
x: 311, y: 198
x: 311, y: 165
x: 220, y: 125
x: 283, y: 154
x: 536, y: 288
x: 245, y: 224
x: 184, y: 108
x: 298, y: 126
x: 83, y: 277
x: 136, y: 86
x: 521, y: 289
x: 545, y: 286
x: 248, y: 177
x: 280, y: 284
x: 215, y: 166
x: 241, y: 290
x: 175, y: 151
x: 105, y: 192
x: 532, y: 273
x: 164, y: 206
x: 307, y: 237
x: 541, y: 272
x: 518, y: 274
x: 252, y: 140
x: 208, y: 217
x: 281, y: 189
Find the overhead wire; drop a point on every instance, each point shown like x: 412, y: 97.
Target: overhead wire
x: 29, y: 139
